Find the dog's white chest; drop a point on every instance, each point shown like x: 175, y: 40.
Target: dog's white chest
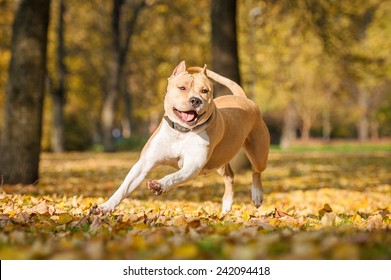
x: 171, y: 145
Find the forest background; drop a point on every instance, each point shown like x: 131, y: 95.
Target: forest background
x: 317, y: 70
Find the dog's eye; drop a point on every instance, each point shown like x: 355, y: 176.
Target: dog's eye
x: 182, y: 88
x: 204, y: 90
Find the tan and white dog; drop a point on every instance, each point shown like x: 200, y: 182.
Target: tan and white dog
x: 199, y: 135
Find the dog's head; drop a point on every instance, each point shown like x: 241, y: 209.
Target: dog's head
x: 189, y: 97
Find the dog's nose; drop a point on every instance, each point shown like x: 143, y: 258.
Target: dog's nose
x: 195, y: 101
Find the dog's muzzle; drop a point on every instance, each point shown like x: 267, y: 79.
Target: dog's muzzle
x: 195, y: 102
x: 190, y: 117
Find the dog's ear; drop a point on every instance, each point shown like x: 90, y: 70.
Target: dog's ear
x: 179, y: 69
x: 203, y: 71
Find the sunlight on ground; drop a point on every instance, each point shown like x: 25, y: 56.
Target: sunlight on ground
x: 323, y: 205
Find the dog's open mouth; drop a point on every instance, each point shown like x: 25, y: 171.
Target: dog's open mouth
x: 189, y: 117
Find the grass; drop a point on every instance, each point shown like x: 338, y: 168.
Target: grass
x: 337, y: 146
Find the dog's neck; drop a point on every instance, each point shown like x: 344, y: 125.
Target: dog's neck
x: 176, y: 126
x: 180, y: 128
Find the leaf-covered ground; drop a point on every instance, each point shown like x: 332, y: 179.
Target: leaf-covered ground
x: 317, y: 206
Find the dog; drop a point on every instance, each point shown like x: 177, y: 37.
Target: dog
x: 199, y: 135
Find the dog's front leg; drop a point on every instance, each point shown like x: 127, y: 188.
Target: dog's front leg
x: 190, y: 169
x: 134, y: 178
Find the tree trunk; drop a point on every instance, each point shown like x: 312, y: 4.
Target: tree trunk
x: 126, y: 120
x: 121, y: 43
x: 21, y: 138
x: 224, y: 43
x: 306, y: 128
x: 109, y: 104
x: 57, y: 139
x: 363, y: 122
x: 375, y: 130
x: 326, y: 121
x: 289, y: 127
x: 58, y: 91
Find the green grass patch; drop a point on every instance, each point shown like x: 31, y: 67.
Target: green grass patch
x: 348, y: 147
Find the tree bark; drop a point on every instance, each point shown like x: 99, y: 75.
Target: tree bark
x: 224, y: 43
x: 326, y: 125
x: 363, y: 122
x: 306, y: 128
x: 375, y: 130
x: 121, y: 42
x: 58, y: 91
x: 21, y: 139
x: 289, y: 127
x: 108, y: 110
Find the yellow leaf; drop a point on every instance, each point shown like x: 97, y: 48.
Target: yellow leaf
x: 186, y: 251
x: 141, y: 226
x: 180, y: 221
x: 327, y: 208
x: 88, y: 203
x: 11, y: 213
x: 346, y: 252
x: 139, y: 243
x: 64, y: 218
x: 61, y: 205
x: 246, y: 216
x: 357, y: 218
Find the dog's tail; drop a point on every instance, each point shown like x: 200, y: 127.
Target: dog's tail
x: 233, y: 87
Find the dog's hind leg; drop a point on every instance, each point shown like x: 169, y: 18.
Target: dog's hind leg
x: 228, y: 177
x: 257, y: 149
x: 257, y: 189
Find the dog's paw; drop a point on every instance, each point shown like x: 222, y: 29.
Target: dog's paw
x: 227, y: 204
x: 258, y: 201
x: 257, y: 196
x: 155, y: 187
x: 101, y: 209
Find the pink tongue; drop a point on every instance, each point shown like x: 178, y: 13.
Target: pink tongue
x: 188, y: 116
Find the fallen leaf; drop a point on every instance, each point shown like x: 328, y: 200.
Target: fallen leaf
x: 193, y: 222
x: 5, y: 220
x: 96, y: 225
x: 41, y: 208
x: 186, y: 251
x: 278, y: 213
x: 246, y: 216
x: 64, y: 218
x: 179, y: 221
x: 257, y: 222
x: 326, y: 209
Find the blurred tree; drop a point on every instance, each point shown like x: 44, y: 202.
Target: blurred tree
x: 334, y: 44
x: 87, y: 51
x: 21, y: 138
x: 345, y: 30
x: 57, y: 88
x: 224, y: 42
x: 303, y: 62
x: 7, y: 8
x: 121, y: 38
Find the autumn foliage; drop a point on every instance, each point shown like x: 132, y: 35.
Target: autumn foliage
x: 323, y: 205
